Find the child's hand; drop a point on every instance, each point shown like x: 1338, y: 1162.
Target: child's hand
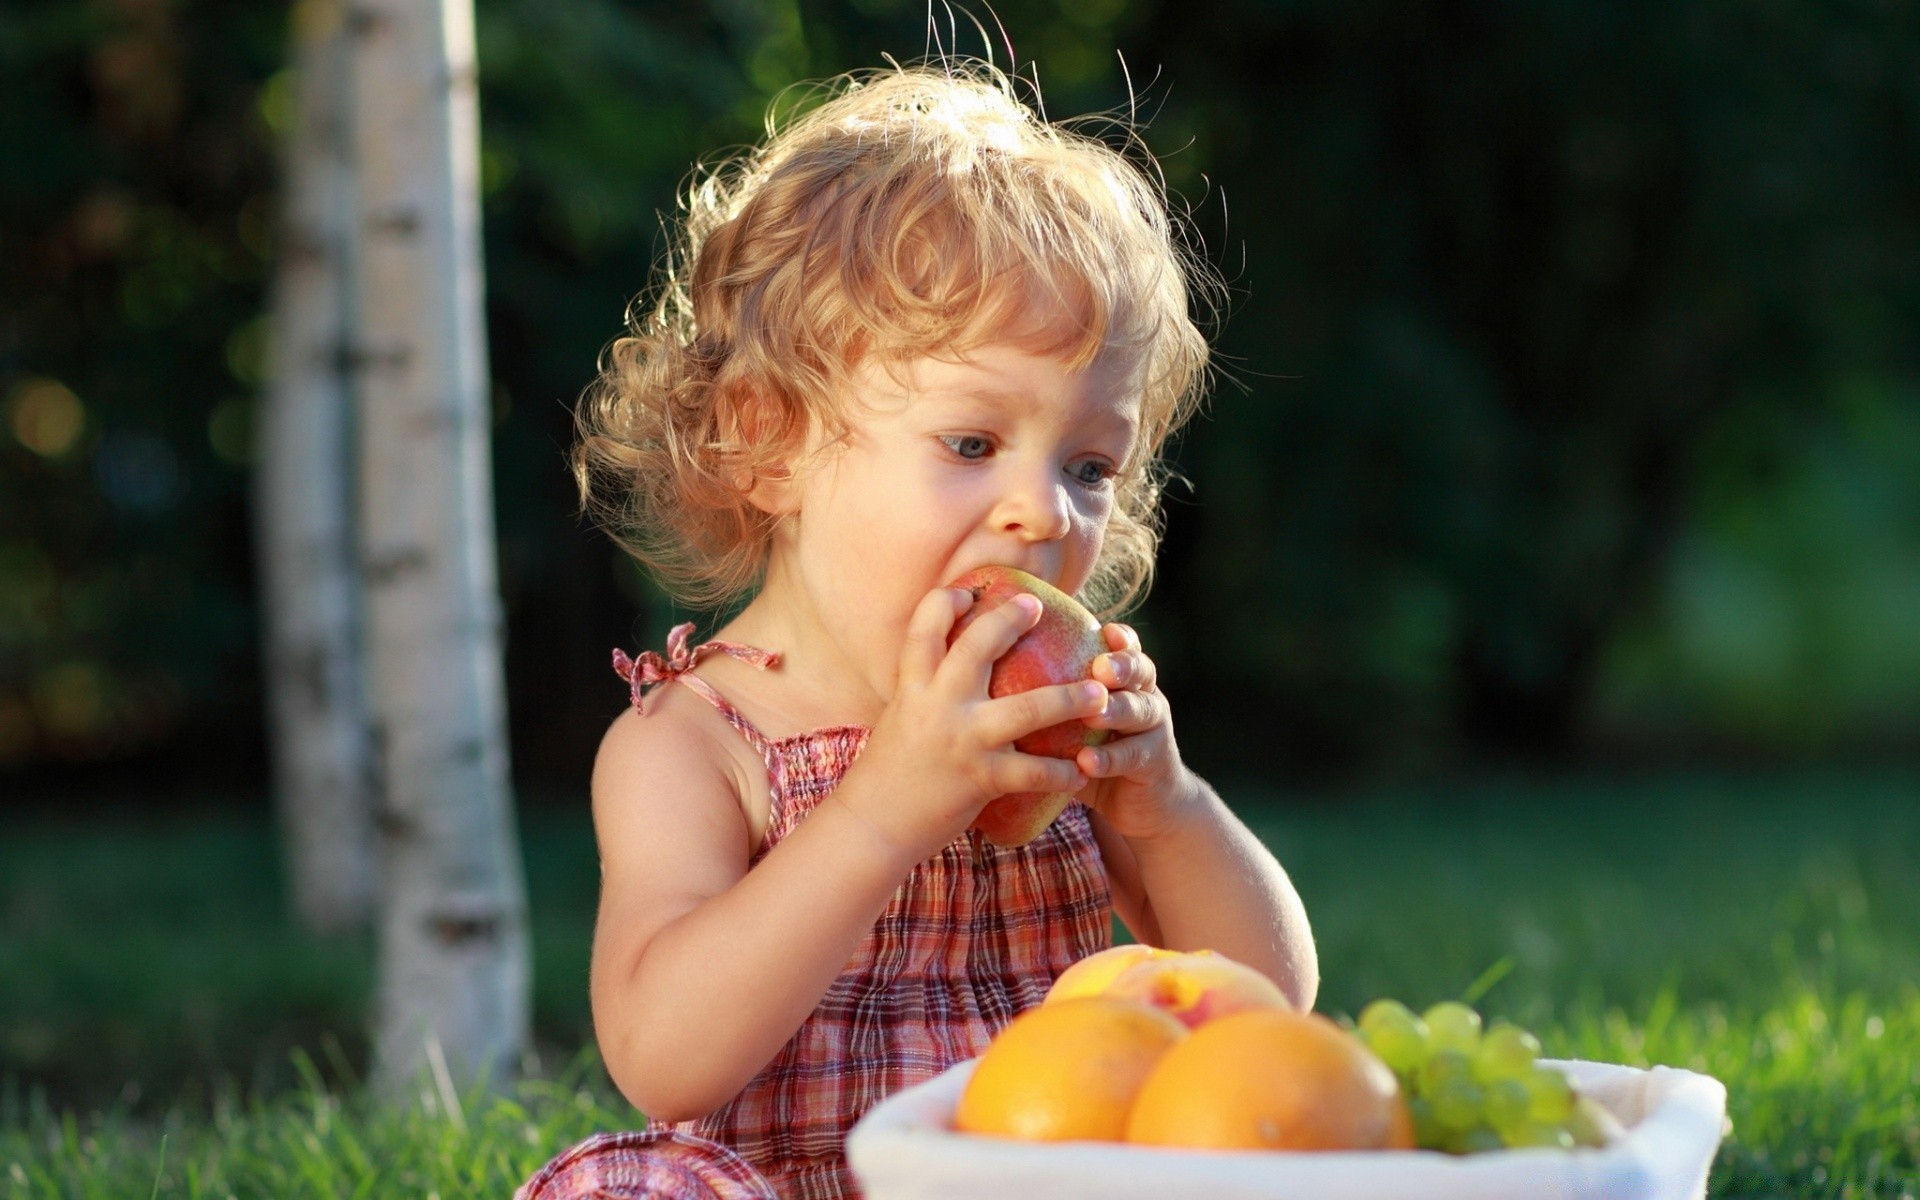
x: 1139, y: 783
x: 942, y: 747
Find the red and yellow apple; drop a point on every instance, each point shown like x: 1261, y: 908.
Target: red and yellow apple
x: 1093, y: 974
x: 1060, y: 648
x: 1198, y: 987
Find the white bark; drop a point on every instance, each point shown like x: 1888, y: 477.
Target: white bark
x: 304, y: 525
x: 453, y: 956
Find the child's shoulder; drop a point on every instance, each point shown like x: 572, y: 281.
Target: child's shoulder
x: 678, y: 765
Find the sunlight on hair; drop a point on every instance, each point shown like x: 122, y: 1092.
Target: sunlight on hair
x: 897, y: 213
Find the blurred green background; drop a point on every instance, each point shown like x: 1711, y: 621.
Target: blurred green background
x: 1570, y: 421
x: 1571, y: 406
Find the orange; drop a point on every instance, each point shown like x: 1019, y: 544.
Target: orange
x: 1271, y: 1079
x: 1066, y: 1071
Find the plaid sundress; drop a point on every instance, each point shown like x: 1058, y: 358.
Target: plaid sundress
x: 975, y: 935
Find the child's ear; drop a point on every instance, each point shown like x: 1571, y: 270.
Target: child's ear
x: 773, y: 492
x: 760, y: 421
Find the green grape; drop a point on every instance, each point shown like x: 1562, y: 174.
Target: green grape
x: 1507, y: 1104
x: 1393, y: 1032
x: 1456, y: 1104
x: 1538, y: 1134
x: 1476, y: 1140
x: 1427, y: 1133
x: 1591, y: 1124
x: 1552, y: 1095
x: 1442, y: 1066
x: 1447, y: 1083
x: 1451, y: 1025
x: 1384, y: 1012
x: 1505, y: 1052
x: 1403, y: 1049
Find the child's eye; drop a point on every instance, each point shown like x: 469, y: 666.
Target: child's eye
x: 971, y: 447
x: 1100, y: 473
x: 967, y: 445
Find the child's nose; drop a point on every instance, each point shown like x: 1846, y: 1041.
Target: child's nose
x: 1037, y: 509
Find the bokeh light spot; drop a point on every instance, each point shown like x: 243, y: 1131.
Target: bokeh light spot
x: 71, y: 699
x: 230, y: 431
x: 247, y: 351
x: 276, y: 102
x: 137, y: 471
x: 46, y: 417
x: 1093, y: 14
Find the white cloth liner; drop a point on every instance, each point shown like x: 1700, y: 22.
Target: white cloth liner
x: 904, y: 1150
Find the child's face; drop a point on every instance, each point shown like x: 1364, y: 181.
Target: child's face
x: 1003, y: 457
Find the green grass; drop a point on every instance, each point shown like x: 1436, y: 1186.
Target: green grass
x: 164, y: 1031
x: 1765, y: 931
x: 307, y: 1141
x: 147, y: 957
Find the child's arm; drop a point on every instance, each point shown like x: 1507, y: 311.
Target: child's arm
x: 1186, y: 873
x: 702, y: 969
x: 1207, y: 883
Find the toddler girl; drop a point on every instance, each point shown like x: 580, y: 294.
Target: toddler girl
x: 917, y: 332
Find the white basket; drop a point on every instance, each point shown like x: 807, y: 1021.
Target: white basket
x: 904, y: 1149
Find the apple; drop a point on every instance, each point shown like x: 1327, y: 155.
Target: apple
x: 1060, y: 648
x: 1093, y: 974
x: 1198, y: 987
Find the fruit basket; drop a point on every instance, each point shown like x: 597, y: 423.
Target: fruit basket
x: 906, y: 1149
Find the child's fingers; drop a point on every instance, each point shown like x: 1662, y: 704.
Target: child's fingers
x: 1130, y: 712
x: 1015, y: 716
x: 990, y: 635
x: 1138, y: 755
x: 925, y: 646
x: 1126, y: 669
x: 1015, y: 772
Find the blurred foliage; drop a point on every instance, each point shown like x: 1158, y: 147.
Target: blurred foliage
x: 1570, y: 396
x: 133, y: 224
x: 1555, y: 283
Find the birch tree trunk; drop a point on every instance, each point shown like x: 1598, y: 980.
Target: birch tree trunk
x: 317, y: 712
x: 453, y: 946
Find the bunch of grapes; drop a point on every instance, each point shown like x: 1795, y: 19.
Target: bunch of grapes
x: 1471, y: 1090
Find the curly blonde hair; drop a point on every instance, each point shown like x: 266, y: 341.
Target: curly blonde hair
x: 916, y: 210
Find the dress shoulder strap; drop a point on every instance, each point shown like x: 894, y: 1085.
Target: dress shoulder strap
x: 647, y: 672
x: 748, y: 729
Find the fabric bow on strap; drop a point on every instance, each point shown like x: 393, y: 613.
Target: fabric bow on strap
x: 650, y: 669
